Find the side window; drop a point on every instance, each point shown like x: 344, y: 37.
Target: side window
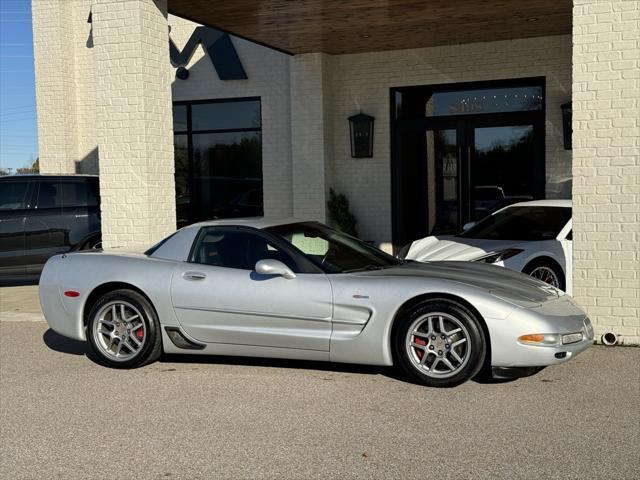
x: 232, y: 248
x: 53, y: 194
x: 569, y: 235
x: 12, y: 195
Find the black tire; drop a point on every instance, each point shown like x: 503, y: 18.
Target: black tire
x: 151, y: 347
x: 538, y: 263
x: 473, y: 358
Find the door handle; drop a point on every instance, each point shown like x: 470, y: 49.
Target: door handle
x: 194, y: 276
x: 82, y: 216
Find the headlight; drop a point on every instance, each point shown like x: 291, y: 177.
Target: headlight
x: 499, y: 256
x: 540, y: 339
x: 550, y: 339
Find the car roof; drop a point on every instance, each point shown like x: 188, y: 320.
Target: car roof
x: 254, y: 222
x: 543, y: 203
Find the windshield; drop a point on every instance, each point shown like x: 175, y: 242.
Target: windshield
x: 332, y: 250
x: 521, y: 223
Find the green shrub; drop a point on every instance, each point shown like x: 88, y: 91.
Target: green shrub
x: 339, y: 214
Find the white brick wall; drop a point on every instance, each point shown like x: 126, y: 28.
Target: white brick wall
x: 268, y: 78
x: 606, y: 165
x: 310, y: 134
x: 134, y: 117
x: 362, y: 82
x: 53, y: 48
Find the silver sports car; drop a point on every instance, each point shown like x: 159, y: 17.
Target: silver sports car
x: 301, y: 290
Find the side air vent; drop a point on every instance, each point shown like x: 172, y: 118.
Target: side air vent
x: 179, y: 340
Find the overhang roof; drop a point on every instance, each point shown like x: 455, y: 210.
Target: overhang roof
x: 354, y: 26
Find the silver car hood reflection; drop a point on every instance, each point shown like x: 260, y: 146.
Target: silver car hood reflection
x: 507, y: 284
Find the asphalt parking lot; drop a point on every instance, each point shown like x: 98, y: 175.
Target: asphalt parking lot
x: 64, y: 416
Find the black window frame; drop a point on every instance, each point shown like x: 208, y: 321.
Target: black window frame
x: 189, y: 132
x: 462, y: 124
x: 301, y: 262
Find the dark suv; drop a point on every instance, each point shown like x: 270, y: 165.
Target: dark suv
x: 42, y: 215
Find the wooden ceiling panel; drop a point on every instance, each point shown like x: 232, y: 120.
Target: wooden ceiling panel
x: 337, y: 27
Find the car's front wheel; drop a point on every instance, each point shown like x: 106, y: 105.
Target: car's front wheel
x: 123, y: 330
x: 439, y: 343
x: 547, y: 271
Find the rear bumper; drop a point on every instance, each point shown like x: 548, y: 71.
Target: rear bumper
x: 59, y: 318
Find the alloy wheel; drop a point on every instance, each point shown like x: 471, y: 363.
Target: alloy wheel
x: 546, y: 275
x: 438, y: 345
x: 119, y: 331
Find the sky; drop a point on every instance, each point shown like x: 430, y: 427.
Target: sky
x: 18, y: 132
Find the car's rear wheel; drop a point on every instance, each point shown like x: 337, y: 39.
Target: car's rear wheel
x: 547, y: 271
x: 440, y: 343
x: 123, y: 330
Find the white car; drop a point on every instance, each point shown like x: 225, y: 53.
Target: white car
x: 529, y: 237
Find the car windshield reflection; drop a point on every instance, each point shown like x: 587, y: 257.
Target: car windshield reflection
x: 333, y: 251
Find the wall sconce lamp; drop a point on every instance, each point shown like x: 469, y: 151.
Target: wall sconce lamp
x: 361, y: 130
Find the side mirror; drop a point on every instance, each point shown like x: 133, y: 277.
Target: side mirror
x: 274, y: 267
x: 467, y: 226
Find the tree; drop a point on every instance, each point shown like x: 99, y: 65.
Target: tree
x: 34, y: 168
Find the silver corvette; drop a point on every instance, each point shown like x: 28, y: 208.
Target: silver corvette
x: 301, y: 290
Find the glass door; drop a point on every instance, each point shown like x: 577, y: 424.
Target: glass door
x: 501, y: 167
x: 443, y: 181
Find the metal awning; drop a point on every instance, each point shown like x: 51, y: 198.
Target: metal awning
x: 354, y: 26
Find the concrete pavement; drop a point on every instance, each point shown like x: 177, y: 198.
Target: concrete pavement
x: 64, y: 416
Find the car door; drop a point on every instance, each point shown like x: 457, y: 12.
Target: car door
x: 47, y: 226
x: 219, y: 298
x: 14, y: 196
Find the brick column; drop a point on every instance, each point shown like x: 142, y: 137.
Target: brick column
x: 134, y: 115
x: 310, y: 134
x: 606, y: 167
x: 53, y: 51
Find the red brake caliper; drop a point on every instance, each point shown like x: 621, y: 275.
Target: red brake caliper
x: 419, y: 341
x: 140, y: 333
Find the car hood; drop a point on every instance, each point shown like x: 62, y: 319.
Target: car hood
x: 514, y: 287
x: 456, y: 248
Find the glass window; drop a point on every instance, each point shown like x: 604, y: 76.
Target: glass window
x: 492, y: 100
x: 219, y: 161
x: 232, y: 248
x: 229, y: 115
x: 420, y: 102
x: 521, y: 223
x: 65, y: 194
x: 227, y: 170
x: 181, y: 156
x: 12, y: 195
x: 332, y: 250
x: 179, y: 118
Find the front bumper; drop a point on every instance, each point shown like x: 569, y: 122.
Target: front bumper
x: 561, y: 317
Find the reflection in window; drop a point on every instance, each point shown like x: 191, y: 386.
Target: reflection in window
x: 421, y: 102
x: 12, y: 195
x: 493, y: 100
x: 53, y: 194
x: 502, y: 167
x: 218, y: 160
